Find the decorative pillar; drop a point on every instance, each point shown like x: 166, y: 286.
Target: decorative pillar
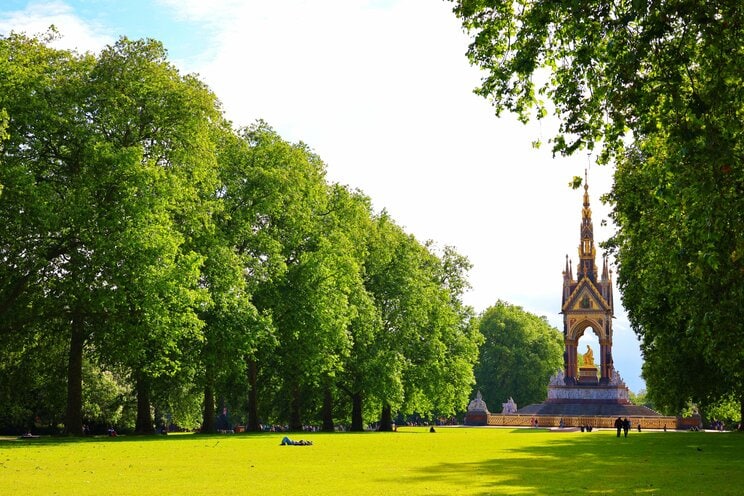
x: 571, y: 357
x: 603, y: 375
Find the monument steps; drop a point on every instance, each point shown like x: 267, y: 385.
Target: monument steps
x: 588, y: 409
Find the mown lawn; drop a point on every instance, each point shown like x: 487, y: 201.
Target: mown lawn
x: 412, y: 461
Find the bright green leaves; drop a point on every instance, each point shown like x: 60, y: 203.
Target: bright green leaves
x: 664, y: 80
x: 111, y: 174
x: 143, y: 235
x: 680, y: 222
x: 520, y: 353
x: 614, y: 65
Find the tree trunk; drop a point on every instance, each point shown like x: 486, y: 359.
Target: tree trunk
x: 386, y: 419
x: 144, y: 424
x: 74, y: 413
x: 253, y: 424
x: 327, y: 409
x: 295, y: 417
x: 357, y: 423
x: 208, y: 418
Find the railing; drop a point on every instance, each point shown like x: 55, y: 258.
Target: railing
x: 581, y: 421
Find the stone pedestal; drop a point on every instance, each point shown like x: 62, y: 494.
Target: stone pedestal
x: 477, y: 411
x: 588, y: 394
x: 588, y: 376
x: 588, y: 389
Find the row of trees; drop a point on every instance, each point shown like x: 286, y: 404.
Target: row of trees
x: 156, y: 260
x: 657, y: 86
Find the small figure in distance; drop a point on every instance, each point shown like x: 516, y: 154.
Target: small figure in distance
x: 431, y: 429
x: 288, y: 442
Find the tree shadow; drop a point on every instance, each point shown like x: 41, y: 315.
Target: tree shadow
x: 601, y: 463
x: 9, y: 442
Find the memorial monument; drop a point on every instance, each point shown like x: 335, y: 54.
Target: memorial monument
x: 582, y: 387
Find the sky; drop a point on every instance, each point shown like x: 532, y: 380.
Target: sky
x: 382, y: 91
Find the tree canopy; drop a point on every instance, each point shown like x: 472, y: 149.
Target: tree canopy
x: 520, y: 353
x: 608, y: 67
x: 161, y: 267
x: 658, y: 87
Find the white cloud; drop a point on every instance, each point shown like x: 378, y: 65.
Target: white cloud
x: 37, y: 18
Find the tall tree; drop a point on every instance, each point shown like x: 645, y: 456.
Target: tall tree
x: 681, y: 272
x: 520, y: 353
x: 364, y: 368
x: 394, y: 278
x: 664, y: 77
x: 310, y: 266
x: 424, y: 350
x: 450, y: 382
x: 349, y: 221
x: 107, y: 170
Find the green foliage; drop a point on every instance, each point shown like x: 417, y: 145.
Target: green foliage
x: 681, y: 227
x: 659, y: 87
x: 608, y: 67
x: 108, y: 169
x: 165, y: 264
x: 105, y: 397
x: 520, y: 353
x: 641, y: 398
x: 32, y: 384
x: 727, y: 410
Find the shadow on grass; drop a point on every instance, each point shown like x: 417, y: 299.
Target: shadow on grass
x: 601, y: 463
x: 8, y: 442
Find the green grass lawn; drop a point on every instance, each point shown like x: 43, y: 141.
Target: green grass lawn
x: 412, y: 461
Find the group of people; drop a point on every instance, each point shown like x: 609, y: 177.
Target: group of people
x: 717, y: 425
x: 624, y: 425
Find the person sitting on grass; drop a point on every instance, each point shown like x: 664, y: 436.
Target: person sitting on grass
x: 288, y: 442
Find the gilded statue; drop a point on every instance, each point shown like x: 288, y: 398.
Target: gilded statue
x: 589, y: 357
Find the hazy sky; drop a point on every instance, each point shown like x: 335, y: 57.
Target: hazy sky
x: 382, y: 91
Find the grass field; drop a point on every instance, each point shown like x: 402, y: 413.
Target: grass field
x: 412, y: 461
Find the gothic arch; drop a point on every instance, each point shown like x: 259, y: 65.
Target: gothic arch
x: 579, y: 329
x: 575, y: 330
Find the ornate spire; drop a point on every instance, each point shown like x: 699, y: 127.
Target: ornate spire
x: 586, y: 247
x: 605, y: 269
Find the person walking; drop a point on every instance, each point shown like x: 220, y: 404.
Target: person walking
x: 626, y: 426
x: 618, y: 425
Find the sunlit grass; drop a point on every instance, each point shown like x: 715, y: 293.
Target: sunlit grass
x: 412, y: 461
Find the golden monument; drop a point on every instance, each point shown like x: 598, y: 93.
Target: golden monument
x: 583, y: 387
x: 587, y: 306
